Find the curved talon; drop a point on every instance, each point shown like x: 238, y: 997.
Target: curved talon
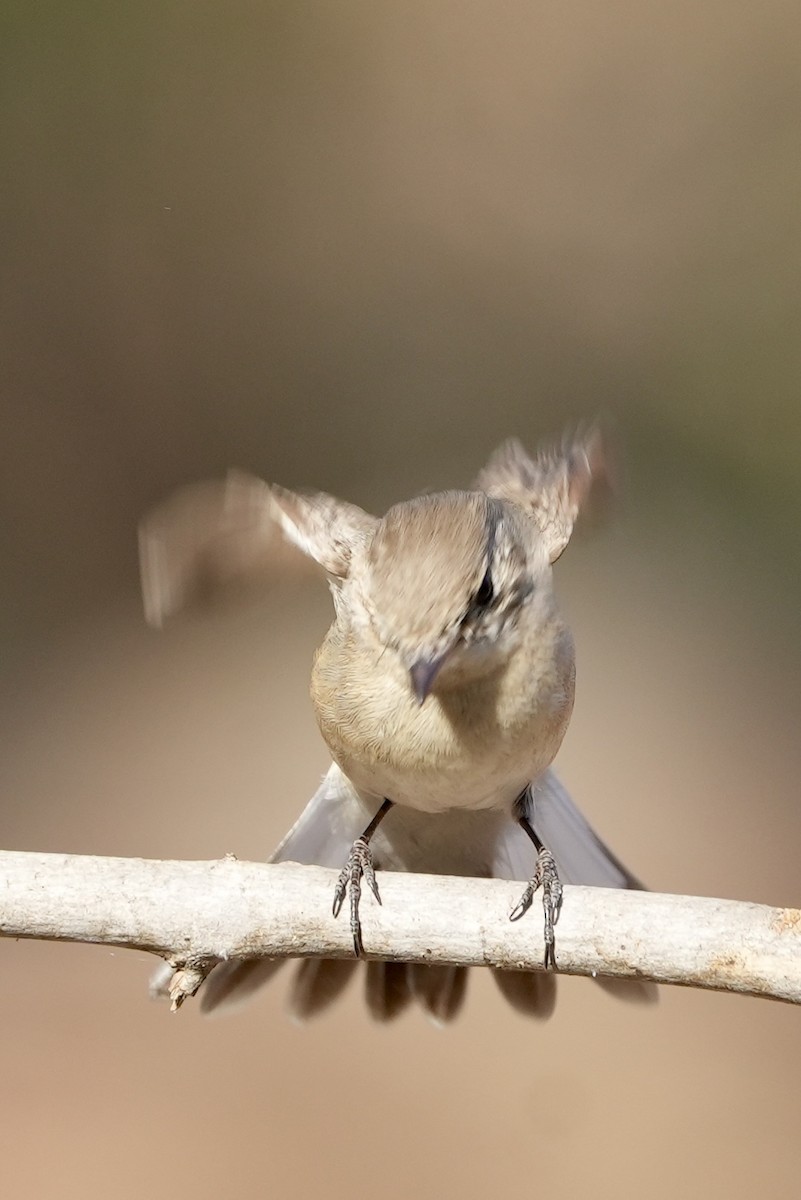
x: 339, y: 894
x: 523, y: 904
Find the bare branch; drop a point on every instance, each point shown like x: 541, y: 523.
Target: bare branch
x: 194, y: 914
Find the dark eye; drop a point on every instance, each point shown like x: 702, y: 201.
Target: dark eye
x: 485, y: 593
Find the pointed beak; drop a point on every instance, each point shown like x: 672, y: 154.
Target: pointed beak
x: 423, y: 673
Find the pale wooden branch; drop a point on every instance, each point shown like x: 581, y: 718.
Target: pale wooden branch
x: 195, y: 914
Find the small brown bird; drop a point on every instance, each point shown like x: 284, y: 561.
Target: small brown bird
x: 443, y: 690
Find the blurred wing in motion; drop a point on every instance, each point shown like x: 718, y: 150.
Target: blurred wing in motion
x: 206, y: 537
x: 561, y: 482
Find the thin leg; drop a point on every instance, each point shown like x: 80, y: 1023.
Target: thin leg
x: 358, y: 866
x: 546, y: 876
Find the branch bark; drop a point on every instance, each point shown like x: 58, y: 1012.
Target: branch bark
x: 195, y: 914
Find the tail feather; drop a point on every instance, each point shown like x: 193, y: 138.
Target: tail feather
x: 388, y: 990
x: 232, y: 983
x: 440, y: 990
x: 580, y: 854
x: 632, y: 991
x: 532, y: 993
x: 317, y: 983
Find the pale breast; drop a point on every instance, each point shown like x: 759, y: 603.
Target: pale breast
x: 473, y: 748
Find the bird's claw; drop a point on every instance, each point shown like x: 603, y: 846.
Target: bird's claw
x: 359, y: 866
x: 545, y: 876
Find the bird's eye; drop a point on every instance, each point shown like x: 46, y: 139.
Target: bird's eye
x: 485, y: 593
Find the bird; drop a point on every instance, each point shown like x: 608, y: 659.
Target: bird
x: 443, y: 690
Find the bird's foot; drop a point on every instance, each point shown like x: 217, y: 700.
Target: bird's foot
x: 545, y: 876
x: 359, y: 866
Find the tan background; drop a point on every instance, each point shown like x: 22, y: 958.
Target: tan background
x: 353, y: 246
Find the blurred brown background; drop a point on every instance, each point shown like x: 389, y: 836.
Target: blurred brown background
x: 353, y: 246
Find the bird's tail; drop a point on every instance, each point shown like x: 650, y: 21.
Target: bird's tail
x: 323, y: 836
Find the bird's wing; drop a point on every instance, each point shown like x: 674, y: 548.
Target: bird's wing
x: 581, y: 856
x: 330, y: 823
